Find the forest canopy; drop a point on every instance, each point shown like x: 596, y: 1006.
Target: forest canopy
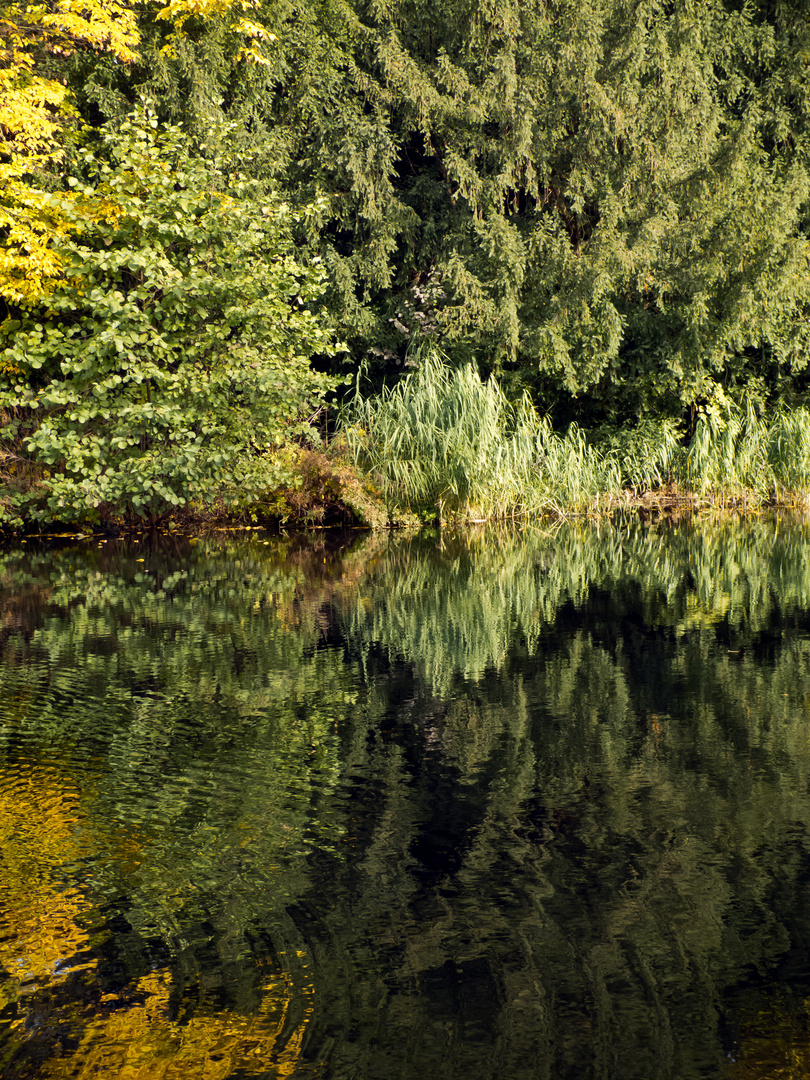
x: 604, y: 202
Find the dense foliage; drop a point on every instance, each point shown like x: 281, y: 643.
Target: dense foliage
x: 447, y: 444
x: 172, y: 357
x: 36, y: 109
x: 609, y: 196
x: 606, y: 202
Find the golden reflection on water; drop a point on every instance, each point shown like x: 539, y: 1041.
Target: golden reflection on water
x: 774, y: 1042
x: 40, y: 910
x: 44, y: 940
x: 142, y: 1043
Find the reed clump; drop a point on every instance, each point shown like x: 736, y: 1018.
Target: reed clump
x: 737, y: 457
x: 443, y: 442
x: 743, y: 456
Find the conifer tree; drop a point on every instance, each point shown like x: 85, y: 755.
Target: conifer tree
x: 605, y: 199
x: 605, y: 196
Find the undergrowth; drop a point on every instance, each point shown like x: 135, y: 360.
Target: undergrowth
x: 442, y: 442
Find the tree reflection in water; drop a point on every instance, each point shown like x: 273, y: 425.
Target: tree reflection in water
x: 515, y: 803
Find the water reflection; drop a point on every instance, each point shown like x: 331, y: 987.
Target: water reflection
x: 526, y: 804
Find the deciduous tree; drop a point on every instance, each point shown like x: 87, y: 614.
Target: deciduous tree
x: 171, y: 357
x: 36, y: 44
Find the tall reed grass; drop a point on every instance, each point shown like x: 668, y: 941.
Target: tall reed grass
x: 745, y: 457
x: 443, y: 441
x: 442, y: 438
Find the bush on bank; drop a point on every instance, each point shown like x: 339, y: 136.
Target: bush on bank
x: 170, y: 358
x: 443, y: 444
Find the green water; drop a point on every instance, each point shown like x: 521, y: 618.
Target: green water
x: 503, y: 804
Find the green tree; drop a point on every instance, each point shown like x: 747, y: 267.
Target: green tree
x: 606, y: 196
x: 604, y: 199
x: 172, y: 359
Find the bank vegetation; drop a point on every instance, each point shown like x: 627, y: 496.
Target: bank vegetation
x: 387, y: 262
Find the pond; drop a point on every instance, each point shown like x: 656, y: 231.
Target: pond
x: 526, y: 804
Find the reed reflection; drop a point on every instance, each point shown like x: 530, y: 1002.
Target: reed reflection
x: 526, y: 803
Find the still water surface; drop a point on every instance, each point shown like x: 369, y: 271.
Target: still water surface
x: 521, y: 805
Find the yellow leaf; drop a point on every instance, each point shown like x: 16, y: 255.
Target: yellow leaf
x: 34, y: 108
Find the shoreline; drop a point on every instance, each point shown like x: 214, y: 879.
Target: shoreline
x: 652, y: 506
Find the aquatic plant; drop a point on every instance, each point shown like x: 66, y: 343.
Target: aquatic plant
x: 742, y: 456
x: 647, y: 453
x: 445, y: 440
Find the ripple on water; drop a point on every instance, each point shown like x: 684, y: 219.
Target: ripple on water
x: 385, y: 820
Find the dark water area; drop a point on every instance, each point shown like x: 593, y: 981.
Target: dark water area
x: 526, y: 804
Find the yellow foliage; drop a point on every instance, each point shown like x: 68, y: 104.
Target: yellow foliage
x: 32, y: 220
x: 142, y: 1043
x: 28, y: 114
x: 100, y: 24
x: 34, y: 107
x: 180, y: 11
x: 32, y: 101
x: 254, y: 30
x: 252, y: 56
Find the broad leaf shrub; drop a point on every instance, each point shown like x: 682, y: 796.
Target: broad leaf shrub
x: 172, y: 359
